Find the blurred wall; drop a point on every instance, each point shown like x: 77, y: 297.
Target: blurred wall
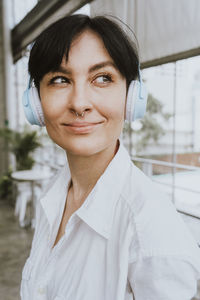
x: 3, y: 109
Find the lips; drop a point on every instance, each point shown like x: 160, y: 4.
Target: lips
x: 82, y: 124
x: 81, y: 127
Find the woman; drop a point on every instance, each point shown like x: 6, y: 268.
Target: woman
x: 103, y: 232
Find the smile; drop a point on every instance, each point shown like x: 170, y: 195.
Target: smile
x: 81, y: 127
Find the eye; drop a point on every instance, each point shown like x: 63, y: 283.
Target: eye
x: 59, y: 80
x: 103, y: 79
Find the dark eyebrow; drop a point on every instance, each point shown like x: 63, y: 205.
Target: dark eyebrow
x: 60, y: 69
x: 102, y: 65
x: 91, y: 69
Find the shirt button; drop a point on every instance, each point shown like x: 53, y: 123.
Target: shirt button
x: 41, y: 290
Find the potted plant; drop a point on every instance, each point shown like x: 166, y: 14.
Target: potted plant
x: 22, y: 145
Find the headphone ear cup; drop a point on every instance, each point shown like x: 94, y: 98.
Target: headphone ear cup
x: 32, y: 107
x: 136, y: 101
x: 130, y: 101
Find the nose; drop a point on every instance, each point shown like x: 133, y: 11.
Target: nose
x: 79, y: 99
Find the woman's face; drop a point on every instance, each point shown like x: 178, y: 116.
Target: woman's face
x: 88, y: 82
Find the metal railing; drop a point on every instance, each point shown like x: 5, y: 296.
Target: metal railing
x: 166, y: 164
x: 171, y: 165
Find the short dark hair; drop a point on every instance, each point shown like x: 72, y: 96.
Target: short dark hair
x: 54, y: 42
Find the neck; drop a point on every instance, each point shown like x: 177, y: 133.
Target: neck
x: 86, y: 170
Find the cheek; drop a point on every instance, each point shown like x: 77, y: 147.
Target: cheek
x: 50, y: 107
x: 115, y: 106
x: 52, y: 101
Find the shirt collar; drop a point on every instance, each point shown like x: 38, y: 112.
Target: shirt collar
x: 53, y: 200
x: 98, y: 208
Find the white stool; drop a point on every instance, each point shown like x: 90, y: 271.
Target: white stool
x: 29, y: 186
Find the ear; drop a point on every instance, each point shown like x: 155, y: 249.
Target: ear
x: 127, y: 86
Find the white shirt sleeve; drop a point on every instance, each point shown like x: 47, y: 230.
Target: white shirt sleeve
x: 163, y: 278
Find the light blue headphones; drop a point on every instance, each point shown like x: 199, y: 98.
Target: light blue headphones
x: 32, y: 106
x: 135, y: 105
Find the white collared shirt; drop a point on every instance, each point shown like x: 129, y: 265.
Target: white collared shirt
x: 125, y: 242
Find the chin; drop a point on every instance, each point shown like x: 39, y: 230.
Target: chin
x: 84, y: 146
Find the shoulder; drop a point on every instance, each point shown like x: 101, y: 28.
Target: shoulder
x: 156, y: 224
x: 141, y: 192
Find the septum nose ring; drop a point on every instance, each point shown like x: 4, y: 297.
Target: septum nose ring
x: 81, y: 115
